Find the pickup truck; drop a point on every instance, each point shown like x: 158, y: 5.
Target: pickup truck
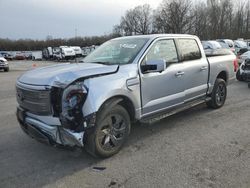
x: 128, y: 79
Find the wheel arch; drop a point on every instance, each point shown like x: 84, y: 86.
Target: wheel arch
x: 122, y: 100
x: 223, y: 75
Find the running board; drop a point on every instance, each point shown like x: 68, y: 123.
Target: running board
x: 155, y: 118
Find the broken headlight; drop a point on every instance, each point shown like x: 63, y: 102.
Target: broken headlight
x: 72, y: 102
x: 73, y: 95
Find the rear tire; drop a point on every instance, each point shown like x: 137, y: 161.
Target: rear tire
x: 219, y: 94
x: 110, y: 133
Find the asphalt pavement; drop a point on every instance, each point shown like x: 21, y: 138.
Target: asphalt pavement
x: 199, y: 147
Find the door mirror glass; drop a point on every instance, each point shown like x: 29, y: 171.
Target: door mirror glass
x: 153, y: 66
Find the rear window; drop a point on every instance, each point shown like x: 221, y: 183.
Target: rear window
x: 189, y: 49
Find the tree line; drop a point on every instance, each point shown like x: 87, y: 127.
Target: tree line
x: 29, y: 44
x: 212, y: 19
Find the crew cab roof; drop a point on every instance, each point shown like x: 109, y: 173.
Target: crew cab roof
x: 154, y: 36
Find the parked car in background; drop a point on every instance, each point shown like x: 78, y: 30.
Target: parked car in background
x: 224, y: 45
x: 211, y: 44
x: 243, y: 73
x: 20, y: 56
x: 229, y: 42
x: 28, y: 55
x: 47, y: 53
x: 67, y: 53
x: 248, y: 44
x: 4, y: 64
x: 7, y: 55
x: 56, y: 53
x: 88, y: 49
x: 78, y: 50
x: 239, y: 44
x: 242, y: 51
x: 63, y: 53
x: 37, y: 55
x: 242, y: 57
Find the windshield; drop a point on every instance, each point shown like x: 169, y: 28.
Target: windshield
x: 119, y: 51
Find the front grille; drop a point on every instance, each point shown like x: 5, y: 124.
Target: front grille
x: 34, y: 101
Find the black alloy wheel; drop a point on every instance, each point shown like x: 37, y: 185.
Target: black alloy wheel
x: 110, y: 133
x: 218, y: 95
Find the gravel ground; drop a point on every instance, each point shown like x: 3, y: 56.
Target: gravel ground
x: 196, y: 148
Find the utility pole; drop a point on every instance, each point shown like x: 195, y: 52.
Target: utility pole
x: 75, y: 32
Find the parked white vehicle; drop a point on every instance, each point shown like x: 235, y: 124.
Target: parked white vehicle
x: 67, y: 53
x: 37, y: 55
x: 88, y: 49
x: 4, y: 64
x: 229, y: 42
x: 78, y: 50
x: 56, y: 53
x: 47, y: 53
x: 211, y: 45
x: 239, y: 44
x: 63, y: 53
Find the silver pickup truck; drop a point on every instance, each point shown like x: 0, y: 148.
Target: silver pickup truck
x: 127, y: 79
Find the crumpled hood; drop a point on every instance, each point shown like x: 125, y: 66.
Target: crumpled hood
x: 64, y: 73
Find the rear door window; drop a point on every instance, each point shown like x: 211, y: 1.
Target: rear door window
x: 189, y: 49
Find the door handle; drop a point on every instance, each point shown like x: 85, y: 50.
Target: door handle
x: 180, y: 73
x: 203, y: 68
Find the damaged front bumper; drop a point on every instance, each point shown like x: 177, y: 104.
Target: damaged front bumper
x: 49, y: 134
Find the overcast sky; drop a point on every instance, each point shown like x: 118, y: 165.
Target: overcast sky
x: 36, y: 19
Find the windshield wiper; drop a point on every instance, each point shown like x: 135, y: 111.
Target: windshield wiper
x: 101, y: 62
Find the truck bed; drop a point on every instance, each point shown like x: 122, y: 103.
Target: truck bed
x: 221, y: 59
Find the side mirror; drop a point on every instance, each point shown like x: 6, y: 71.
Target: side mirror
x: 153, y: 66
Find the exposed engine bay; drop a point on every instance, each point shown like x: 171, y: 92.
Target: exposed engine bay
x: 243, y: 74
x: 246, y: 65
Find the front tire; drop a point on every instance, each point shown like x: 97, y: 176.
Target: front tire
x: 219, y: 94
x: 110, y: 133
x: 6, y: 69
